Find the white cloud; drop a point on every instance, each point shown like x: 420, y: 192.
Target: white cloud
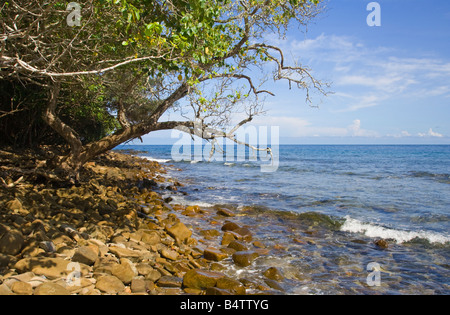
x: 297, y: 127
x: 431, y: 133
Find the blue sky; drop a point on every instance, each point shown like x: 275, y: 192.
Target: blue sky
x: 390, y: 83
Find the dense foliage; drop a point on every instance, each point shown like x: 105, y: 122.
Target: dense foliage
x: 110, y: 79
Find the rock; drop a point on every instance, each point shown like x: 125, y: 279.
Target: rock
x: 5, y: 290
x: 153, y: 275
x: 48, y: 246
x: 169, y: 254
x: 11, y: 241
x: 273, y: 273
x: 217, y: 291
x: 51, y: 268
x: 110, y: 285
x: 50, y: 288
x: 274, y: 285
x: 22, y: 288
x: 151, y: 238
x: 225, y: 212
x: 237, y: 246
x: 230, y: 226
x: 227, y: 238
x: 244, y: 258
x: 5, y: 260
x: 245, y: 233
x: 86, y: 255
x: 214, y: 254
x: 138, y: 286
x: 381, y: 243
x: 179, y: 232
x: 201, y: 279
x: 124, y: 272
x: 15, y: 206
x: 124, y: 252
x: 170, y: 282
x: 234, y: 286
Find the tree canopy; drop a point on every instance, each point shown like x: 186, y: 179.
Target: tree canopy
x: 111, y: 79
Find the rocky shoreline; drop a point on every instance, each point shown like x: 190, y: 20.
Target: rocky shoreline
x: 116, y: 234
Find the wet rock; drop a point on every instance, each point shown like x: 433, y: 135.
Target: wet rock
x: 110, y: 285
x: 225, y: 212
x: 50, y: 288
x: 179, y: 232
x: 230, y: 226
x: 214, y: 254
x: 273, y: 273
x: 274, y: 285
x: 231, y: 285
x: 244, y: 258
x: 201, y: 279
x: 381, y: 243
x: 237, y: 246
x: 217, y: 291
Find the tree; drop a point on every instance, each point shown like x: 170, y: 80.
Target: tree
x: 133, y: 60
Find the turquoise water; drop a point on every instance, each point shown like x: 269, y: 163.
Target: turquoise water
x: 399, y: 193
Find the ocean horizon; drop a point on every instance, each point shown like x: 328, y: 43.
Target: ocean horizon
x: 352, y: 193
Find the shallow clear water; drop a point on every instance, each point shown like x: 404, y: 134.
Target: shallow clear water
x: 400, y: 193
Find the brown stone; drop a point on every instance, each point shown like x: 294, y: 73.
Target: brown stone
x: 86, y: 255
x: 244, y: 258
x: 179, y: 232
x: 381, y: 243
x: 11, y: 241
x: 214, y: 254
x: 235, y: 286
x: 124, y: 272
x: 22, y: 288
x: 230, y: 226
x: 170, y: 282
x: 238, y: 246
x: 274, y: 274
x: 201, y: 279
x: 110, y: 285
x: 169, y: 254
x: 225, y: 212
x: 49, y: 288
x: 217, y: 291
x: 124, y: 252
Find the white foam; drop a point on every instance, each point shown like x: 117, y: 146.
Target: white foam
x: 156, y: 160
x: 401, y: 236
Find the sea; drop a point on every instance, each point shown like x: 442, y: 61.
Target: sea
x: 324, y: 207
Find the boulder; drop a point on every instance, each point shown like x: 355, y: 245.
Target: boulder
x: 170, y: 282
x: 86, y: 255
x: 244, y: 258
x: 179, y: 232
x: 214, y: 254
x: 11, y: 240
x: 49, y: 288
x: 110, y: 285
x: 124, y: 272
x: 201, y: 279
